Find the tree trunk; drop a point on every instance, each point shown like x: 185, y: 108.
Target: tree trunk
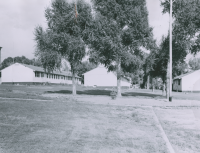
x: 73, y: 84
x: 167, y: 81
x: 119, y: 79
x: 153, y: 84
x: 163, y: 90
x: 148, y: 82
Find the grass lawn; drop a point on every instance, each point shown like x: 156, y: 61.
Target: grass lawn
x: 182, y: 126
x: 34, y: 91
x: 68, y: 126
x: 37, y: 90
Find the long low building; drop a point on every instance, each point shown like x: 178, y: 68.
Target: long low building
x: 28, y: 74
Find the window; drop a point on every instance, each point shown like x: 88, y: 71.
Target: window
x: 42, y: 75
x: 37, y: 74
x: 47, y: 75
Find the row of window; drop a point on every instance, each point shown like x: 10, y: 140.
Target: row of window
x: 52, y: 76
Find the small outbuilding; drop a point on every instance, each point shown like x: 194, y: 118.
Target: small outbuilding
x: 102, y: 78
x: 189, y: 82
x: 28, y: 74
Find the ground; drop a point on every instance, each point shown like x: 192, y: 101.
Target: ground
x: 49, y: 119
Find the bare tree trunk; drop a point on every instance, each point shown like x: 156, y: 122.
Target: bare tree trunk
x: 163, y: 90
x: 73, y: 84
x: 148, y: 82
x: 153, y: 84
x: 119, y: 79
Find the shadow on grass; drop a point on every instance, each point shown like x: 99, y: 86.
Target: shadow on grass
x: 107, y: 93
x: 137, y: 94
x: 85, y: 92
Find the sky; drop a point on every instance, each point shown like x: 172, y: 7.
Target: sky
x: 18, y: 19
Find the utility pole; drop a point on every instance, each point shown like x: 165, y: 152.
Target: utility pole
x: 170, y: 53
x: 0, y: 55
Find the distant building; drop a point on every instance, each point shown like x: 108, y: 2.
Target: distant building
x: 28, y: 74
x: 189, y: 82
x: 102, y: 78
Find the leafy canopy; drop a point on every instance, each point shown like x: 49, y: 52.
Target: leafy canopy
x: 120, y: 28
x: 186, y: 27
x: 65, y: 35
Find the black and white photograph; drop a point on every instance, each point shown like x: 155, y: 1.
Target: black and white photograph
x: 99, y: 76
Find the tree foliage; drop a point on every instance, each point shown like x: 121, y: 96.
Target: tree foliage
x: 186, y: 27
x: 65, y: 36
x: 9, y: 61
x: 119, y: 30
x: 159, y: 59
x: 194, y: 63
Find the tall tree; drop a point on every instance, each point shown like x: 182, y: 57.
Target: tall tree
x: 120, y: 28
x: 64, y: 38
x: 186, y: 27
x: 161, y: 64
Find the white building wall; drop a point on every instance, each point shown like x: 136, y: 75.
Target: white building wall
x: 100, y: 77
x: 17, y: 73
x: 196, y: 86
x: 191, y: 82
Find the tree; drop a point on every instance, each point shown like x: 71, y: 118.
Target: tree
x: 65, y: 66
x: 160, y: 66
x: 180, y: 68
x: 64, y: 38
x: 8, y: 61
x: 36, y: 62
x: 186, y: 27
x: 194, y: 63
x: 119, y: 29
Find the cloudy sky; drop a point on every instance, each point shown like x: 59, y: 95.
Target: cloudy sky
x: 18, y: 18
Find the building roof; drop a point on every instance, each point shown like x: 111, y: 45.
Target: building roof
x: 183, y: 75
x: 40, y: 69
